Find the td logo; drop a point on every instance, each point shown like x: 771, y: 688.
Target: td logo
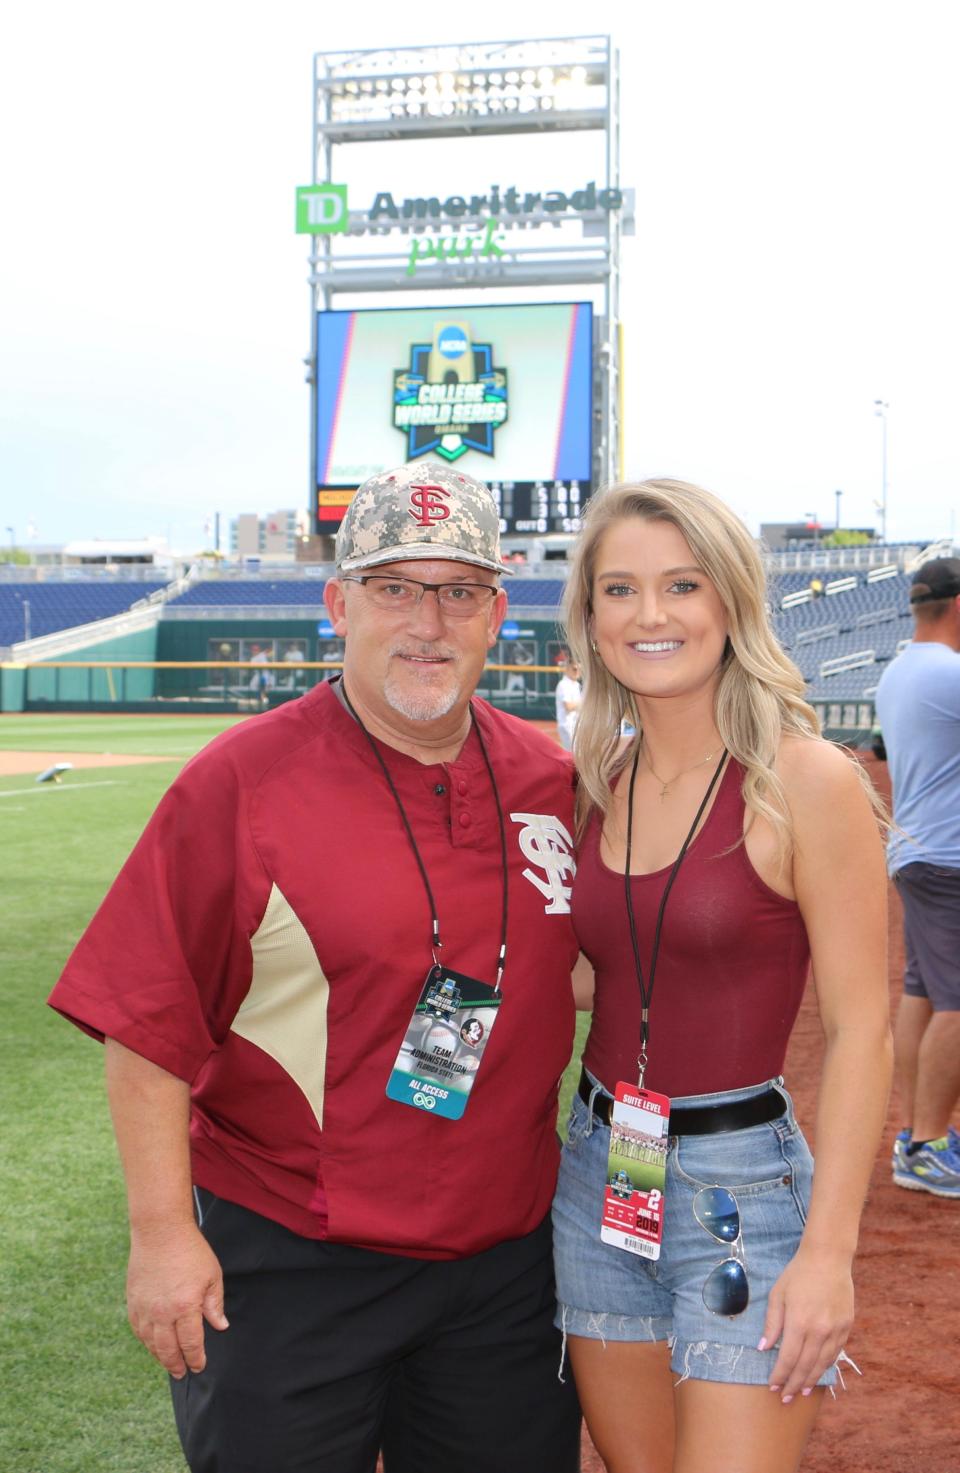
x: 322, y: 209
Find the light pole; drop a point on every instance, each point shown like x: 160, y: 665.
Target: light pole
x: 838, y: 495
x: 880, y: 408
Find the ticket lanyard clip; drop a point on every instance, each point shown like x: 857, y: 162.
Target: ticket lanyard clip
x: 642, y: 1062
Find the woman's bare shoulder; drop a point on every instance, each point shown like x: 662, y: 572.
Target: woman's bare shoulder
x: 817, y: 773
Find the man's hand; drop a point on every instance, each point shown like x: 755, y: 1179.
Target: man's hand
x: 174, y: 1283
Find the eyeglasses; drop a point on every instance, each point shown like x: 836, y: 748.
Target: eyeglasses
x: 403, y: 595
x: 726, y: 1290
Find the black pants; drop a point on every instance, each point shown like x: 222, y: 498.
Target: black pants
x: 334, y: 1353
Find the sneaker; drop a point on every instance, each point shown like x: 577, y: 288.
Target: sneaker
x: 902, y: 1140
x: 934, y: 1168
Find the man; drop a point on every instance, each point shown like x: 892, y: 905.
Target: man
x: 568, y: 699
x: 295, y: 656
x: 364, y: 1222
x: 261, y: 679
x: 918, y: 705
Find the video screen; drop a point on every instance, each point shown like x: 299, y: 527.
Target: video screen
x: 503, y: 392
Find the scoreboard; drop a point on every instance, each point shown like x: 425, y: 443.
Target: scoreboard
x: 539, y: 507
x: 504, y: 393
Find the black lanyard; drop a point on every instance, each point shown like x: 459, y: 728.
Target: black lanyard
x: 646, y: 993
x: 437, y: 943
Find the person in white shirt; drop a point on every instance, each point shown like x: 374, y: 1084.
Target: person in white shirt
x: 569, y: 696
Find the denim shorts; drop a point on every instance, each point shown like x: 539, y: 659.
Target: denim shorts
x: 606, y: 1293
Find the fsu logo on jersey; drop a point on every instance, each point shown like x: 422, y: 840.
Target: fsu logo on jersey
x: 426, y: 506
x: 451, y: 398
x: 548, y: 846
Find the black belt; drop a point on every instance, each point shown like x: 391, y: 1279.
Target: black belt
x: 700, y: 1119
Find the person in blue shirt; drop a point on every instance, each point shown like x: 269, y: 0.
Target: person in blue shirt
x: 918, y: 705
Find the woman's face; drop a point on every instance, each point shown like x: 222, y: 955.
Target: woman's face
x: 658, y: 622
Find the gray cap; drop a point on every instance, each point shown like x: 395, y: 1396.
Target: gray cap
x: 420, y: 511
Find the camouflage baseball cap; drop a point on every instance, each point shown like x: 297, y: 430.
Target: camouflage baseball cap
x: 420, y: 511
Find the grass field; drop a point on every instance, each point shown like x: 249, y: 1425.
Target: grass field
x: 156, y: 736
x: 80, y: 1396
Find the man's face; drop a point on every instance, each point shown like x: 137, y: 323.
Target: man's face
x: 421, y: 665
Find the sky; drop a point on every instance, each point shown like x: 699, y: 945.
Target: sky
x: 796, y: 255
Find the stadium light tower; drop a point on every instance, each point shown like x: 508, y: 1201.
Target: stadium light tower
x: 468, y: 235
x: 880, y: 408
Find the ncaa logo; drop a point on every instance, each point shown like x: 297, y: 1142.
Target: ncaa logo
x: 451, y: 342
x: 426, y: 507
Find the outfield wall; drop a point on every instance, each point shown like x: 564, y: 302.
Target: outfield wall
x: 62, y: 689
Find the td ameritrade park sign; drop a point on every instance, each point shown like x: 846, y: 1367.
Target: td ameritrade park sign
x: 322, y: 209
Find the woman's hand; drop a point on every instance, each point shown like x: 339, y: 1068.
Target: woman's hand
x: 810, y: 1311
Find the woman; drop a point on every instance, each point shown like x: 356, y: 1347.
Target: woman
x: 714, y: 1354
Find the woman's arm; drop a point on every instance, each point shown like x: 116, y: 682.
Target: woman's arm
x: 841, y: 888
x: 583, y: 982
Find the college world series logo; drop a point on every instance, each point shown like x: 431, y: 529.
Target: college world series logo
x: 451, y: 398
x: 548, y: 846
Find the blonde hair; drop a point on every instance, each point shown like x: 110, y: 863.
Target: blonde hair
x: 760, y: 694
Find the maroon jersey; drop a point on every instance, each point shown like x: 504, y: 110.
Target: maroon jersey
x: 267, y: 941
x: 733, y: 962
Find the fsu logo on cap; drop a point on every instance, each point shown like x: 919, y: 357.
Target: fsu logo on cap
x: 426, y: 507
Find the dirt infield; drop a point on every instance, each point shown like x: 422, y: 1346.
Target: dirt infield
x: 13, y: 764
x: 902, y: 1416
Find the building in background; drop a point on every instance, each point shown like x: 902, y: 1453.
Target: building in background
x: 275, y: 535
x: 779, y: 535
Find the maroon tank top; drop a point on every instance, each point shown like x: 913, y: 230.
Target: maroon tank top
x: 733, y: 962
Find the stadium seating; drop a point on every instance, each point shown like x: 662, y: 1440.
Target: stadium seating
x: 56, y: 606
x: 868, y: 617
x: 215, y: 593
x: 540, y: 593
x: 237, y: 592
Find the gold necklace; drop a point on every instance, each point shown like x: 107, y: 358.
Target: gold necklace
x: 682, y: 773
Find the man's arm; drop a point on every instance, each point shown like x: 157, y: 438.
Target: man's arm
x: 173, y: 1280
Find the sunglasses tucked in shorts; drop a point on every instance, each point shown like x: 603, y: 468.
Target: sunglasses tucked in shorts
x: 606, y: 1293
